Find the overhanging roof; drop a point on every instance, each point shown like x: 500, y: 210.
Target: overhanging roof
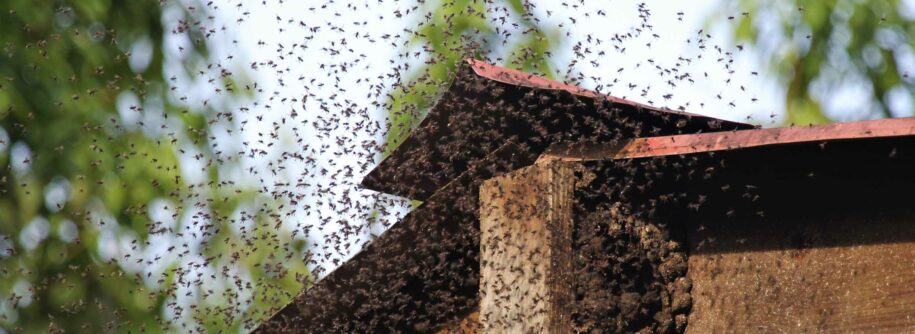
x: 488, y: 105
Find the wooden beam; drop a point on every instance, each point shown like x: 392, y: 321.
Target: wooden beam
x: 526, y: 250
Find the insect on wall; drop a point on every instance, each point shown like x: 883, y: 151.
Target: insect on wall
x: 630, y: 262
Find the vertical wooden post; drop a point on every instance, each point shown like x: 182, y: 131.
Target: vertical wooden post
x: 526, y: 250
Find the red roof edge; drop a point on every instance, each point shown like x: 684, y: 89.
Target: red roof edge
x: 518, y: 78
x: 733, y: 140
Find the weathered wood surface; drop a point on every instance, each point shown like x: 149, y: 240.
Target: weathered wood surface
x: 468, y: 325
x: 525, y: 256
x: 849, y: 275
x: 833, y: 250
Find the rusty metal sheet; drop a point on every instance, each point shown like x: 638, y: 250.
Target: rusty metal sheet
x: 732, y: 140
x: 515, y: 77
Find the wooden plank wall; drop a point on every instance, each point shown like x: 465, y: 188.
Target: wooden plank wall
x: 824, y: 275
x: 833, y: 250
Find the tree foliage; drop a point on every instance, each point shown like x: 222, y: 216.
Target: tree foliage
x: 101, y: 229
x: 505, y: 32
x: 822, y: 50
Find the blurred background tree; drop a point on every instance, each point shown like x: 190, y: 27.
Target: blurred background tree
x: 101, y: 124
x: 833, y: 54
x: 96, y: 139
x: 459, y: 29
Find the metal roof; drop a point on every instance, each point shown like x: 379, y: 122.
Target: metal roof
x: 465, y: 124
x: 733, y: 140
x: 518, y: 78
